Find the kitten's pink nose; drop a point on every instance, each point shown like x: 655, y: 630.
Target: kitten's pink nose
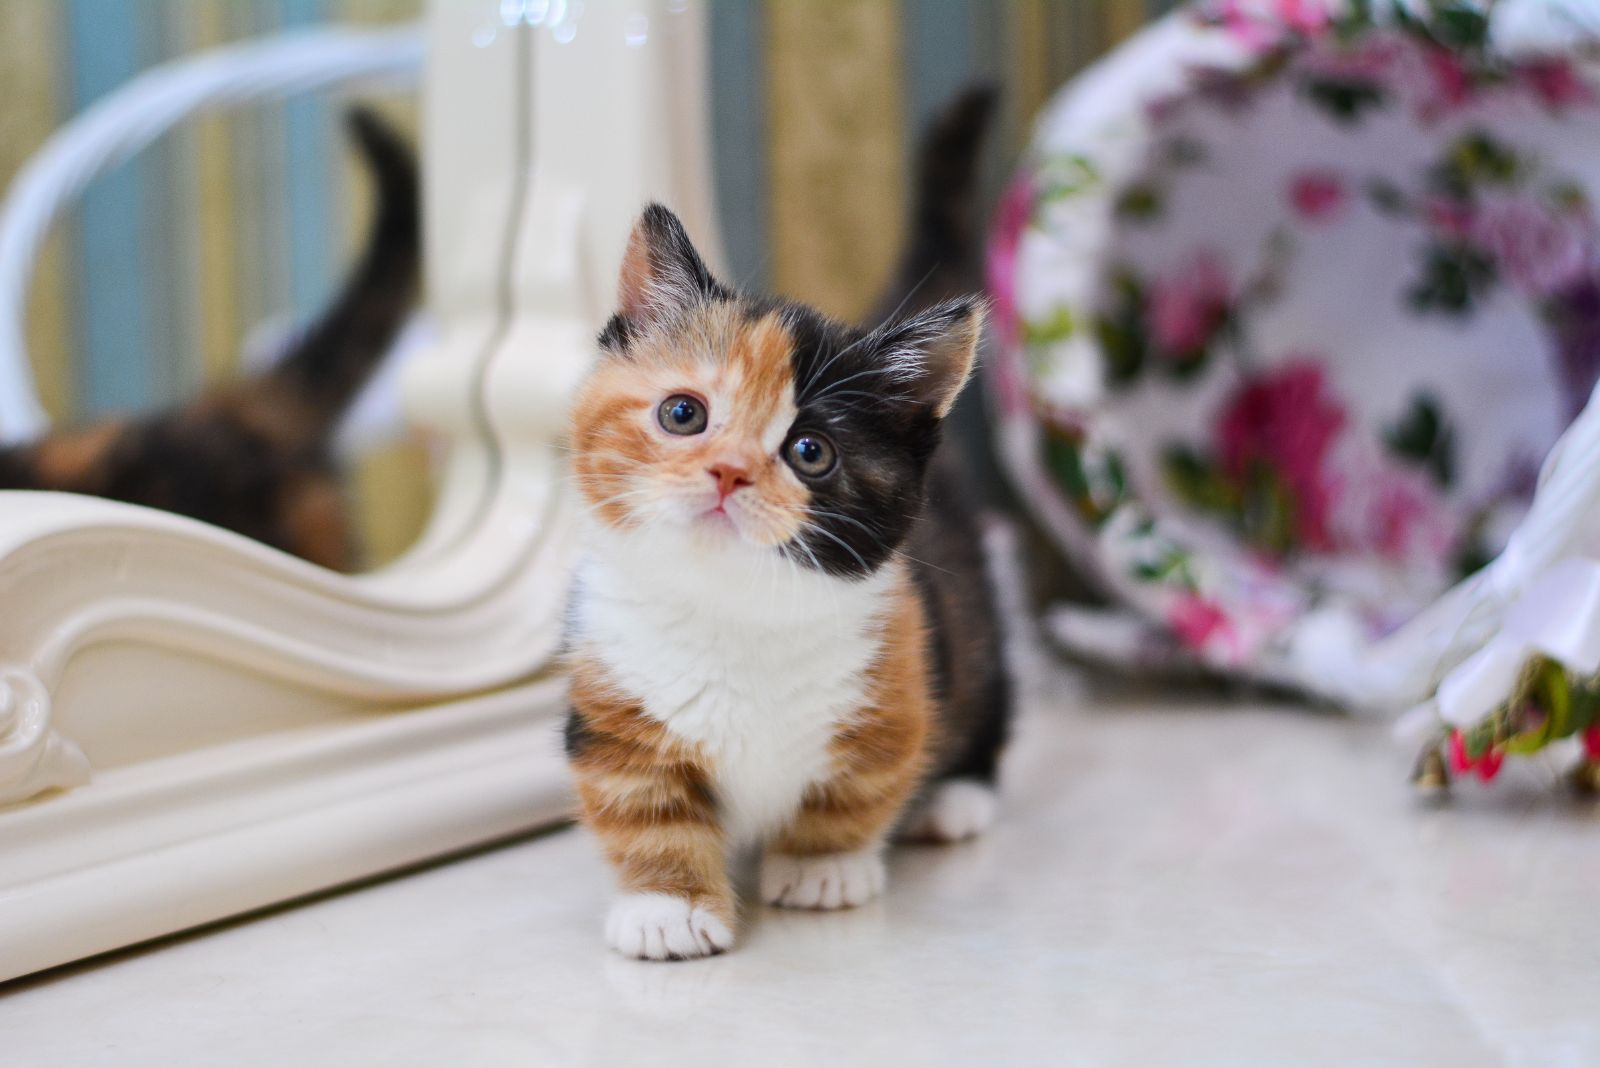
x: 729, y: 477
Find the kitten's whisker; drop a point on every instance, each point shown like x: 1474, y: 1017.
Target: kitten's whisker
x: 618, y: 498
x: 924, y: 563
x: 833, y: 589
x: 846, y: 546
x: 873, y: 533
x: 616, y: 454
x: 876, y: 535
x: 870, y: 333
x: 898, y: 308
x: 888, y: 371
x: 835, y: 395
x: 816, y: 375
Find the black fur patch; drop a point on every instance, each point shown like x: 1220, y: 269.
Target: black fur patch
x: 845, y: 390
x: 575, y: 734
x: 617, y: 335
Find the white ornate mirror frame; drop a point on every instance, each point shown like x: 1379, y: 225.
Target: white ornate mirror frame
x: 193, y: 726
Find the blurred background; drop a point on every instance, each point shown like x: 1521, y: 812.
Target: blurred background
x: 240, y: 225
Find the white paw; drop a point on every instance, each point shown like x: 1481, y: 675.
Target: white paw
x: 829, y: 881
x: 664, y: 927
x: 956, y: 810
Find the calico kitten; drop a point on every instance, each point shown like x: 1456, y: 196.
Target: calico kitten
x: 255, y: 457
x: 774, y: 639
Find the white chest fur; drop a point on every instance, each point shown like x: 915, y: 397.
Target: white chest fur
x: 756, y: 661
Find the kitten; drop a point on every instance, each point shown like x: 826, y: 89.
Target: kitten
x: 255, y: 456
x: 773, y: 640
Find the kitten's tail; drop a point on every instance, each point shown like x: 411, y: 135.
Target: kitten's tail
x: 333, y: 359
x: 942, y: 257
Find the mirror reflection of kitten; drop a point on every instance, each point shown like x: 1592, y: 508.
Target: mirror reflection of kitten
x: 255, y: 457
x: 775, y: 638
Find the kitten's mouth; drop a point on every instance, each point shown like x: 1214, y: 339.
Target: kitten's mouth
x: 717, y: 518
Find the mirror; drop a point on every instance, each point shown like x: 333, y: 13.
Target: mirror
x: 180, y: 276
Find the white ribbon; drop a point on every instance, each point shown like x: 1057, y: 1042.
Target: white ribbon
x: 1557, y: 615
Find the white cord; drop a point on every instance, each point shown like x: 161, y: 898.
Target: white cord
x: 124, y: 122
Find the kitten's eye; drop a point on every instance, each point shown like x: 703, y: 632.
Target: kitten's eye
x: 812, y: 455
x: 682, y: 414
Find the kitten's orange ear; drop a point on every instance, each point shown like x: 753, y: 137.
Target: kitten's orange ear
x: 662, y: 274
x: 931, y: 354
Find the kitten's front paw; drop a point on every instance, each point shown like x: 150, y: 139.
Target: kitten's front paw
x: 665, y: 927
x: 957, y: 809
x: 828, y: 881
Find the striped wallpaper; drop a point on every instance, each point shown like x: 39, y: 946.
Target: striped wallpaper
x: 174, y: 258
x: 817, y: 105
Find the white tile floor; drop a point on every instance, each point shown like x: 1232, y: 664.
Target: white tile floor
x: 1170, y: 884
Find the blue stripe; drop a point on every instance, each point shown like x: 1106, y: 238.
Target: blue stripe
x: 940, y: 56
x: 113, y: 358
x: 172, y: 369
x: 250, y: 249
x: 739, y: 137
x: 268, y: 259
x: 309, y: 173
x: 947, y: 45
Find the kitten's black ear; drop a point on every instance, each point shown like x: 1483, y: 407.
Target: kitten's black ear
x: 662, y: 274
x: 933, y: 352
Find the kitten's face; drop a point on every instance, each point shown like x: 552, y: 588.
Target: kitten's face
x: 758, y: 426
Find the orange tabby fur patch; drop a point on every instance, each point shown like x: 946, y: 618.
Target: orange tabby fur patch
x: 648, y: 799
x: 743, y: 371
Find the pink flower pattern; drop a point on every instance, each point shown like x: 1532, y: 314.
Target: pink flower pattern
x: 1555, y: 81
x: 1318, y: 195
x: 1449, y: 86
x: 1391, y: 511
x: 1285, y: 421
x: 1539, y: 252
x: 1189, y: 304
x: 1005, y: 239
x: 1260, y: 24
x: 1201, y: 624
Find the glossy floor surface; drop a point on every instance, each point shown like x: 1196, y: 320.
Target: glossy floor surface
x: 1171, y: 883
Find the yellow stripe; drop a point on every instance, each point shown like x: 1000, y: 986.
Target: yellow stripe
x: 837, y: 170
x: 376, y: 11
x: 393, y: 498
x: 1027, y: 57
x: 216, y: 218
x: 30, y: 69
x: 1123, y: 19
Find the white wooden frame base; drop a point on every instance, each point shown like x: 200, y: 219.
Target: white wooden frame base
x: 194, y: 726
x: 211, y: 835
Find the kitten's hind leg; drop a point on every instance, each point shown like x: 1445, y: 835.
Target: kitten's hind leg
x: 963, y: 803
x: 954, y: 810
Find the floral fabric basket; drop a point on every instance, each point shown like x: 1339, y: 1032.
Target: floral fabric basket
x: 1296, y: 301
